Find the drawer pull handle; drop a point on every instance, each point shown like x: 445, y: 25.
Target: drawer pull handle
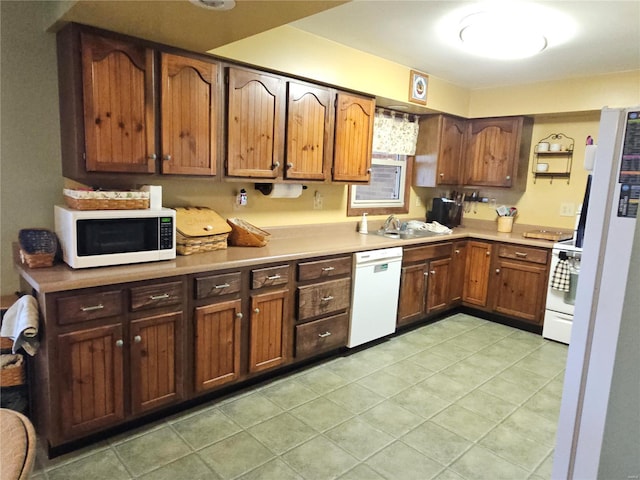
x: 327, y: 298
x: 221, y: 286
x: 159, y: 297
x: 119, y: 343
x: 274, y: 277
x: 137, y: 339
x: 328, y: 269
x: 324, y: 335
x: 92, y: 308
x: 521, y: 254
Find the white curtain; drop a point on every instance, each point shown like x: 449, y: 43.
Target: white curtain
x: 395, y: 133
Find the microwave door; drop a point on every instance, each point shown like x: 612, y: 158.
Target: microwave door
x: 109, y: 236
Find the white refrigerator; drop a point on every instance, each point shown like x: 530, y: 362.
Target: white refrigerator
x: 602, y: 383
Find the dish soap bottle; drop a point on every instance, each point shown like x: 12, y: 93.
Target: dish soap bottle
x: 363, y: 224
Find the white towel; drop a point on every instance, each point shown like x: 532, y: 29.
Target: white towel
x: 20, y: 324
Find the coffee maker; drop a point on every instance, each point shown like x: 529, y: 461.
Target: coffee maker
x: 445, y: 211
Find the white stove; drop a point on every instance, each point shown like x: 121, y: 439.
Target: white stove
x: 560, y: 306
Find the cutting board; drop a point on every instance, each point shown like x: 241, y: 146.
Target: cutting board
x: 554, y: 236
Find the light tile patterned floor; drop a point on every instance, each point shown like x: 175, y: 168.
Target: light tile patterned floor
x: 462, y: 398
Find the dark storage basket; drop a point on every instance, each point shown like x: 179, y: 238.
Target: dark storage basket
x: 38, y: 247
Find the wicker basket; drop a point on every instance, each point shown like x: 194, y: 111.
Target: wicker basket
x: 199, y: 230
x: 6, y: 344
x: 12, y: 374
x: 38, y: 247
x: 102, y: 200
x: 243, y: 234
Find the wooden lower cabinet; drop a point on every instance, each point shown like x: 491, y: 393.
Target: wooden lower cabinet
x: 91, y: 379
x: 457, y: 274
x: 438, y: 297
x: 217, y: 344
x: 478, y: 263
x: 156, y: 361
x: 268, y: 333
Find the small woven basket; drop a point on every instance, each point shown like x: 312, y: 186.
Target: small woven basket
x: 105, y: 200
x: 38, y: 247
x: 243, y: 234
x: 13, y: 374
x: 189, y: 245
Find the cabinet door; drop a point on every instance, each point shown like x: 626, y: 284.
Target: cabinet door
x: 255, y: 143
x: 308, y: 132
x: 91, y: 379
x: 189, y: 106
x: 457, y: 276
x: 118, y: 99
x: 353, y: 138
x: 217, y: 345
x: 492, y: 151
x: 438, y: 296
x: 411, y: 303
x: 268, y: 332
x: 156, y: 361
x: 520, y: 290
x: 478, y: 262
x: 450, y: 151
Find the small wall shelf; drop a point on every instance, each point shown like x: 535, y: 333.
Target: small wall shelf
x: 558, y: 162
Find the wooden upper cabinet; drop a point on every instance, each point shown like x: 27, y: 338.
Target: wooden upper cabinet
x: 497, y: 150
x: 308, y: 132
x: 189, y: 115
x: 439, y: 151
x: 256, y: 115
x: 353, y: 138
x: 118, y: 102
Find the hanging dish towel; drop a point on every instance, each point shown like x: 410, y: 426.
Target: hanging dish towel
x: 561, y: 278
x: 20, y: 324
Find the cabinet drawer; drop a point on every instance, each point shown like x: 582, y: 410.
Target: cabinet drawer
x: 268, y: 277
x: 81, y: 308
x: 323, y: 298
x: 217, y: 285
x: 527, y: 254
x: 324, y: 269
x: 427, y: 252
x: 322, y: 335
x: 157, y: 295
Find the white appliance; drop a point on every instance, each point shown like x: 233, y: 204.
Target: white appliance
x: 98, y: 238
x: 374, y: 303
x: 600, y: 298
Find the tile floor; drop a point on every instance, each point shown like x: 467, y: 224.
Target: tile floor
x: 462, y: 398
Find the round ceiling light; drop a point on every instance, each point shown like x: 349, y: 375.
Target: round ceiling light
x: 501, y: 36
x: 215, y: 4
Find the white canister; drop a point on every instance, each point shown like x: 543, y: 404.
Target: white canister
x: 554, y: 147
x: 543, y: 147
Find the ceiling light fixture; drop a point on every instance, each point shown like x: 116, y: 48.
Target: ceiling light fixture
x: 215, y: 4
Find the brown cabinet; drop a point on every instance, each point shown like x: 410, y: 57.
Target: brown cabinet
x: 424, y: 282
x: 353, y: 139
x: 323, y: 303
x: 519, y: 284
x: 439, y: 151
x: 497, y: 151
x: 478, y: 263
x: 118, y: 116
x: 268, y: 332
x: 309, y: 132
x: 189, y: 106
x: 255, y: 122
x: 458, y: 264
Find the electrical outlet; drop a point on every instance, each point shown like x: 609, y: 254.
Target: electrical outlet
x: 317, y: 201
x: 419, y: 202
x: 567, y: 209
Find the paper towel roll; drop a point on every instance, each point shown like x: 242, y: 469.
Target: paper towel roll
x: 286, y: 190
x: 589, y: 156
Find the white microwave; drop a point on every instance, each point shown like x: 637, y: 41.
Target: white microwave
x: 97, y: 238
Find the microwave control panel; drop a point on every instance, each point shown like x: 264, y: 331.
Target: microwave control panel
x: 166, y: 233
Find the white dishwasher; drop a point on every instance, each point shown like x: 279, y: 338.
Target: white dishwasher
x: 374, y: 302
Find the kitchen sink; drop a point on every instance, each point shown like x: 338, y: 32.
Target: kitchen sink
x: 407, y: 234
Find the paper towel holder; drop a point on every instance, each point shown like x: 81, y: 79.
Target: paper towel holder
x: 267, y: 188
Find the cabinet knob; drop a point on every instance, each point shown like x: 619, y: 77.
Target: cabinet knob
x: 239, y: 315
x: 119, y: 343
x: 275, y: 165
x: 488, y: 253
x: 153, y: 156
x: 508, y: 177
x: 166, y: 157
x: 289, y: 165
x: 432, y: 272
x: 457, y: 252
x: 368, y: 170
x: 137, y: 339
x: 497, y: 270
x: 426, y: 274
x: 442, y: 175
x: 256, y: 310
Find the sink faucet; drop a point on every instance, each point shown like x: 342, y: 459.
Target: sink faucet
x: 392, y: 224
